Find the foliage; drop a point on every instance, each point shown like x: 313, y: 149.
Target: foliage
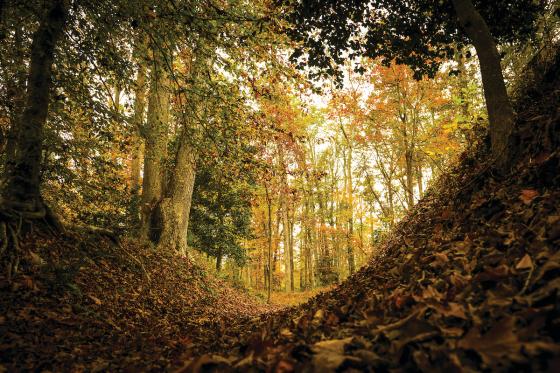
x: 421, y: 33
x: 220, y: 213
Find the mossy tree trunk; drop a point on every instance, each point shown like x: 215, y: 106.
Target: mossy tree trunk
x: 138, y: 117
x: 155, y: 134
x: 176, y: 204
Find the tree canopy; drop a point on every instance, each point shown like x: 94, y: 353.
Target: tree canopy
x: 420, y: 34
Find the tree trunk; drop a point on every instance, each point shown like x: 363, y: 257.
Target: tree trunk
x: 138, y: 122
x: 500, y: 111
x: 291, y: 249
x: 16, y: 95
x: 22, y: 189
x: 284, y: 205
x: 269, y: 233
x: 350, y: 207
x: 219, y: 260
x: 408, y: 164
x: 155, y: 136
x: 176, y: 206
x: 420, y: 179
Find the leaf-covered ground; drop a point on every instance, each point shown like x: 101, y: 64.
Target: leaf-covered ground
x: 468, y: 281
x: 83, y: 303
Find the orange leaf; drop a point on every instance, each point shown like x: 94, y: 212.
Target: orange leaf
x: 528, y: 195
x: 525, y: 263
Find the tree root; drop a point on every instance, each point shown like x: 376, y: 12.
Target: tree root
x: 16, y: 221
x: 91, y: 229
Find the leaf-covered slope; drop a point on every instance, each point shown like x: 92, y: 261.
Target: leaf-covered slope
x: 81, y: 302
x: 469, y: 280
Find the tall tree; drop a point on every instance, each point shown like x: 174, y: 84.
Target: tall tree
x: 22, y: 186
x: 156, y: 136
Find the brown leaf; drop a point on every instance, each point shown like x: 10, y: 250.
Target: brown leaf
x: 452, y: 309
x: 525, y: 263
x: 536, y: 347
x: 284, y: 366
x: 528, y: 195
x: 494, y: 274
x: 498, y: 343
x: 206, y: 363
x: 35, y: 259
x: 329, y: 355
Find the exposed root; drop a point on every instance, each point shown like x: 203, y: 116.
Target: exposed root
x: 91, y: 229
x: 114, y: 238
x: 16, y: 221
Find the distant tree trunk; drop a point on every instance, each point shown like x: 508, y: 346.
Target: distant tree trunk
x: 500, y: 111
x: 284, y: 205
x: 350, y: 210
x: 391, y: 201
x: 291, y: 248
x: 408, y: 162
x: 269, y: 233
x: 219, y: 256
x: 419, y: 179
x: 155, y: 150
x: 306, y: 244
x: 176, y: 205
x: 22, y: 188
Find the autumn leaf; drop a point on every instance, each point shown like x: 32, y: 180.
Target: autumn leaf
x: 528, y: 195
x: 496, y: 344
x: 525, y: 263
x: 329, y: 355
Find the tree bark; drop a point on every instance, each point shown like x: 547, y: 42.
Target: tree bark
x: 138, y: 116
x: 155, y: 136
x: 176, y: 205
x: 219, y: 260
x: 284, y: 200
x: 500, y: 111
x: 350, y: 211
x: 22, y: 188
x: 269, y: 234
x: 138, y: 120
x: 16, y: 95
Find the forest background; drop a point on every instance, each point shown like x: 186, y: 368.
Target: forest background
x: 192, y: 128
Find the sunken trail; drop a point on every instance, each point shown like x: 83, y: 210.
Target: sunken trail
x: 468, y: 280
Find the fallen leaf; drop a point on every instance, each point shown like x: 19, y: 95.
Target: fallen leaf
x: 525, y: 263
x: 329, y: 355
x: 528, y: 195
x: 498, y: 343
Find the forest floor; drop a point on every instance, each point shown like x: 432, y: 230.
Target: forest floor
x: 468, y: 281
x: 81, y: 303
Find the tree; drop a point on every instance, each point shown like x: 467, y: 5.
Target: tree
x: 22, y: 186
x: 221, y: 212
x: 21, y: 195
x: 420, y: 34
